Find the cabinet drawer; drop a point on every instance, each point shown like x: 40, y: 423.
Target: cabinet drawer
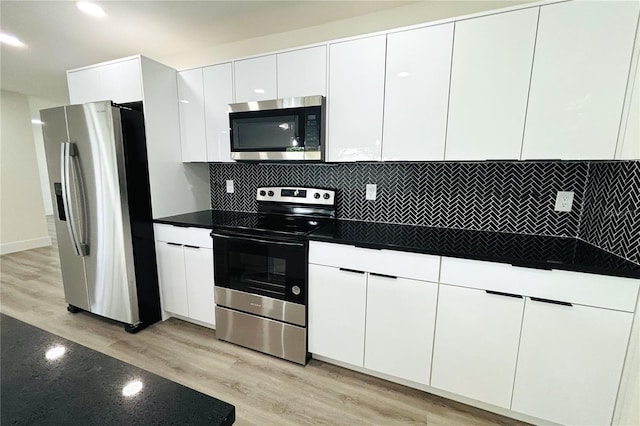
x: 388, y: 262
x: 574, y: 287
x: 198, y: 237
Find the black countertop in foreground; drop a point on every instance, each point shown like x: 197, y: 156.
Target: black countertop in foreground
x: 85, y: 387
x: 534, y: 251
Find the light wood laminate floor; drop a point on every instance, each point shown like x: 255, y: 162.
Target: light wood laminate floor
x: 265, y: 390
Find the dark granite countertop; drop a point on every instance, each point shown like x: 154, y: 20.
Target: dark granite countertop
x: 86, y: 387
x: 534, y: 251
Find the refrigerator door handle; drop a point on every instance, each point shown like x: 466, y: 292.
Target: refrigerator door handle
x: 67, y: 154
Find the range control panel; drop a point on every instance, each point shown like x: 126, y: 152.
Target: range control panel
x: 290, y: 194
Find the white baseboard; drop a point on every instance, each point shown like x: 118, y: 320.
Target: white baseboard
x: 23, y: 245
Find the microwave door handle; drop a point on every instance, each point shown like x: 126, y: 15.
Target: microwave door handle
x: 258, y: 240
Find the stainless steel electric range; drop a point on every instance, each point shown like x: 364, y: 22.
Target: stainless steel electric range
x: 261, y: 271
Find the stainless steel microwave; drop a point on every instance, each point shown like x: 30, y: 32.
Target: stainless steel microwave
x: 278, y: 130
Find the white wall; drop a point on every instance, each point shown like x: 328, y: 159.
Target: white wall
x: 35, y: 105
x: 22, y: 220
x: 415, y: 13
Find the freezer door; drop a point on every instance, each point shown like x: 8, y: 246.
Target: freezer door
x: 95, y: 131
x: 55, y: 134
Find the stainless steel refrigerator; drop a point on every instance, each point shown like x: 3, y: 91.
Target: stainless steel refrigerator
x: 98, y: 173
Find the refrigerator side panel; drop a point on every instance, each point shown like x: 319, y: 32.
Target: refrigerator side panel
x: 109, y: 261
x: 72, y: 266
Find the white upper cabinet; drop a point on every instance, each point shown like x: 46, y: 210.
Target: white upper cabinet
x: 218, y: 94
x: 570, y: 362
x: 191, y: 106
x: 118, y: 81
x: 629, y: 139
x: 84, y: 86
x: 355, y: 101
x: 582, y: 58
x: 417, y: 94
x: 302, y: 72
x: 256, y: 79
x: 490, y: 76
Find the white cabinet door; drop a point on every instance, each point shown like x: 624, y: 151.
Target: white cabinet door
x: 302, y: 72
x: 629, y: 141
x: 476, y: 344
x: 119, y: 82
x: 84, y: 86
x: 583, y: 52
x: 191, y: 106
x: 199, y: 272
x: 171, y: 274
x: 355, y: 101
x: 400, y: 323
x: 570, y: 362
x: 490, y: 75
x: 218, y: 94
x: 417, y: 94
x: 337, y: 301
x: 122, y: 80
x: 256, y: 79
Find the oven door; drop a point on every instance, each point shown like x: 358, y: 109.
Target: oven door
x: 261, y: 266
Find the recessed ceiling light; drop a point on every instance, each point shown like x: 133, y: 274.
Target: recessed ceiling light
x: 403, y: 74
x: 258, y: 90
x: 91, y: 8
x: 11, y: 40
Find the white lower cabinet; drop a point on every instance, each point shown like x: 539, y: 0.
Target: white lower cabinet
x: 476, y: 344
x: 198, y: 263
x: 570, y: 362
x: 400, y: 320
x: 185, y: 272
x: 383, y: 322
x: 173, y: 283
x: 337, y: 300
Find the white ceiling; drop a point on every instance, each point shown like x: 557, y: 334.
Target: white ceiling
x: 60, y: 37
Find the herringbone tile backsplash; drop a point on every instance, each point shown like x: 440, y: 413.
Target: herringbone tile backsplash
x: 611, y: 216
x: 513, y: 197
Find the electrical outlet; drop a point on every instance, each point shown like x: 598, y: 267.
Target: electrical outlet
x: 564, y: 201
x: 372, y: 188
x: 230, y: 188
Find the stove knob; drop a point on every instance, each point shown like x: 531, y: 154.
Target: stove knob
x: 295, y: 290
x: 262, y: 193
x: 326, y: 196
x: 316, y: 195
x: 270, y: 193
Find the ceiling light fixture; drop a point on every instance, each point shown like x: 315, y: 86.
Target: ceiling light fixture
x: 403, y: 74
x: 11, y: 40
x: 36, y: 121
x: 258, y: 90
x: 91, y: 9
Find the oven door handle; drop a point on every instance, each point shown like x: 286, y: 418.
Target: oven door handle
x: 257, y: 240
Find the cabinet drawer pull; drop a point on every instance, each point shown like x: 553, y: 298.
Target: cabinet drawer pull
x: 351, y: 270
x: 555, y: 302
x: 499, y: 293
x: 383, y: 275
x: 175, y: 244
x: 195, y: 247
